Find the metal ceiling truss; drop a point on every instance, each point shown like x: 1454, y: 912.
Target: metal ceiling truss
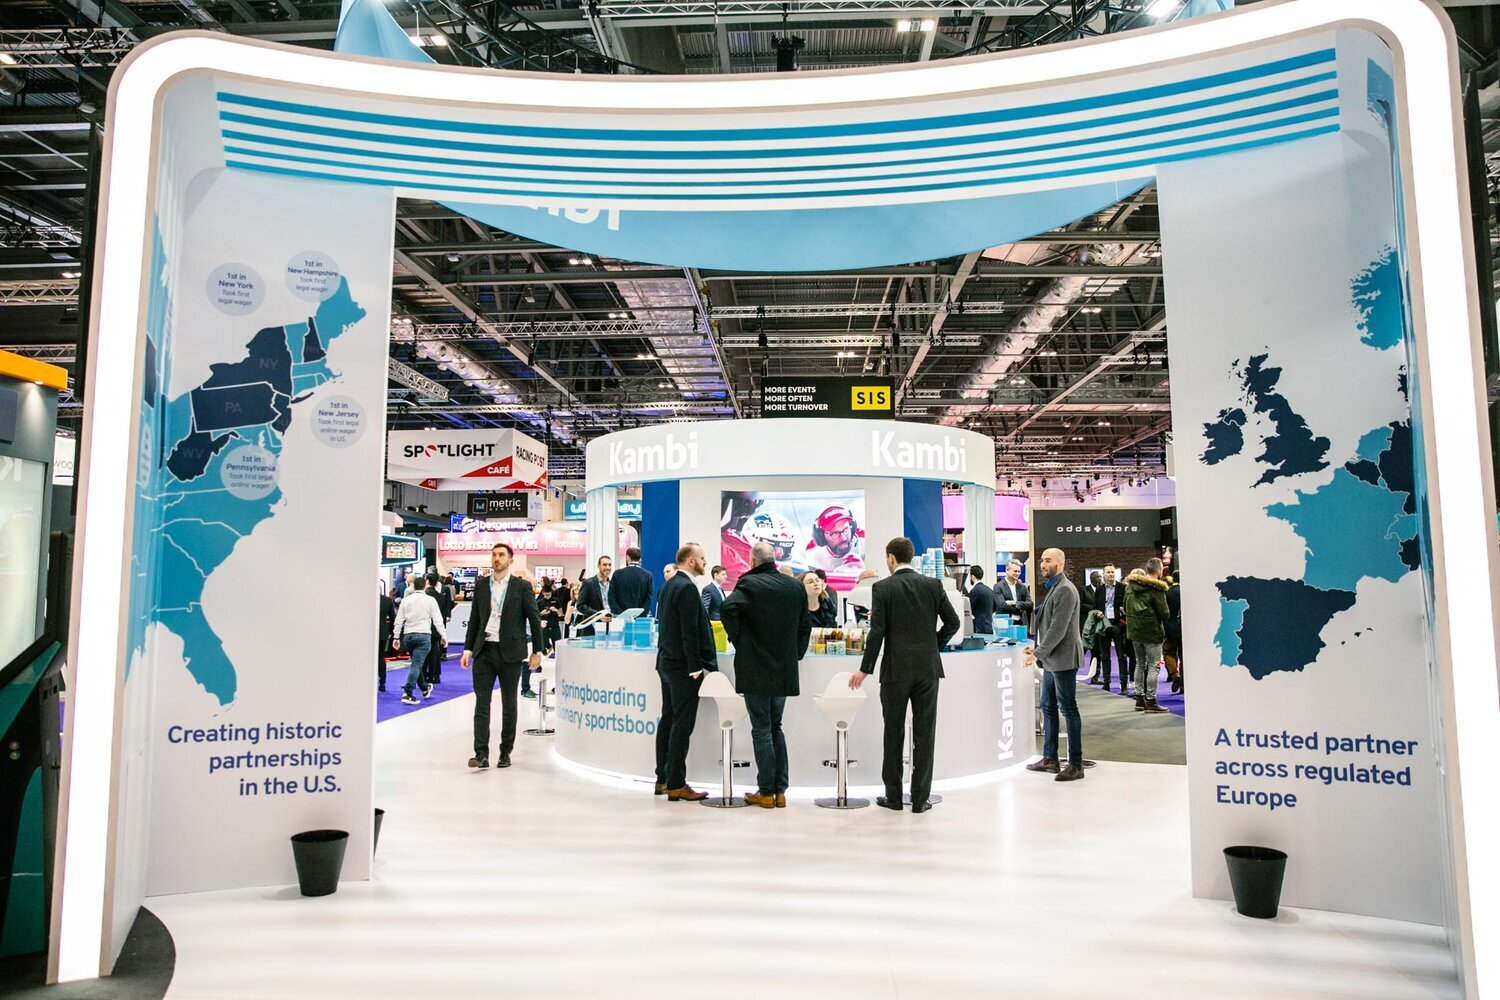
x: 495, y: 34
x: 60, y: 291
x: 86, y: 47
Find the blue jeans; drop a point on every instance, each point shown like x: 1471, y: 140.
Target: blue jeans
x: 417, y: 646
x: 1060, y: 687
x: 769, y: 742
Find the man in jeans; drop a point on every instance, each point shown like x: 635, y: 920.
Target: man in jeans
x: 416, y: 619
x: 767, y: 620
x: 1146, y: 614
x: 1059, y: 652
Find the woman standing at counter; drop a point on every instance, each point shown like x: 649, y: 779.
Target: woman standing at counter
x: 820, y: 603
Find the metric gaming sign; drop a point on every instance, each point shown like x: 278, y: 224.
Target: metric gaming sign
x: 518, y: 504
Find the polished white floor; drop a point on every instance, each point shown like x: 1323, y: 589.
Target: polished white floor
x: 537, y: 882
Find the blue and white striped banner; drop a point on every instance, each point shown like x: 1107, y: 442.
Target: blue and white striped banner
x: 782, y: 188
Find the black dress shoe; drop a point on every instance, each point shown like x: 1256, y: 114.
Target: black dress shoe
x: 1073, y: 772
x: 504, y: 760
x: 886, y: 803
x: 479, y: 762
x: 1048, y: 764
x: 921, y: 807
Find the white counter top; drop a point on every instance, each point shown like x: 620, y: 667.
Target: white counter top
x: 609, y: 700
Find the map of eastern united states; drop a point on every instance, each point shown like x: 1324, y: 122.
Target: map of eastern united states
x: 250, y: 400
x: 1361, y: 524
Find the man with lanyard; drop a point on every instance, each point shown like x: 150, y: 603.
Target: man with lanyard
x: 495, y: 647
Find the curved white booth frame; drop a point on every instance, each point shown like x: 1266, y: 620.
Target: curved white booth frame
x: 175, y: 101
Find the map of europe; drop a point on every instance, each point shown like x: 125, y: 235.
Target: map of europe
x: 1362, y: 524
x: 215, y: 477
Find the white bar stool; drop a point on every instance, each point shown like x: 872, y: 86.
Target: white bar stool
x: 732, y: 712
x: 543, y: 679
x: 840, y: 704
x: 934, y: 798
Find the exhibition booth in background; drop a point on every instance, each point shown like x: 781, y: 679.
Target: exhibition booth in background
x: 729, y: 484
x: 1341, y: 528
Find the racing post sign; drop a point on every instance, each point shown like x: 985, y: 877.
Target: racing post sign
x: 488, y: 459
x: 865, y: 397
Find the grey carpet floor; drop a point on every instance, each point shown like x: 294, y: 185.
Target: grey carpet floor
x: 1114, y: 730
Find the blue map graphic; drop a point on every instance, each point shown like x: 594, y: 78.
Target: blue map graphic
x: 215, y: 478
x: 1289, y: 450
x: 1361, y: 525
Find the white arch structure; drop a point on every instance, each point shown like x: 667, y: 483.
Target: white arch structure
x: 1443, y: 304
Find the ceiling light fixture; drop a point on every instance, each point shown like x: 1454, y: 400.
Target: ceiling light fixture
x: 580, y: 261
x: 1162, y: 9
x: 7, y: 59
x: 916, y: 24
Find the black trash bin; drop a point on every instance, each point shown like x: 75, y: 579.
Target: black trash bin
x: 379, y: 815
x: 319, y: 855
x: 1255, y: 875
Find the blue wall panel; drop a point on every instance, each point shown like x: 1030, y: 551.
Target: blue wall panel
x: 660, y: 527
x: 922, y: 515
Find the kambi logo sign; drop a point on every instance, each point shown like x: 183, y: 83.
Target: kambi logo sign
x: 671, y: 455
x: 1007, y: 686
x: 945, y: 456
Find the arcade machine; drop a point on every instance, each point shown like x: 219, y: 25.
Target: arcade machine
x: 33, y: 628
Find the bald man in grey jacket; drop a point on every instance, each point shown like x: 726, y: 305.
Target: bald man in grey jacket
x: 1059, y: 652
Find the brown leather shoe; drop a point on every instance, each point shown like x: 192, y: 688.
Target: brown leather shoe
x: 764, y: 801
x: 781, y: 800
x: 1047, y: 764
x: 661, y: 789
x: 685, y: 794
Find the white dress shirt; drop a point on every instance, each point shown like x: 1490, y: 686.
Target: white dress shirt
x: 419, y: 614
x: 499, y: 586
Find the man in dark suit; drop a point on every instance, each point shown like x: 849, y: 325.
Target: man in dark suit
x: 593, y: 594
x: 632, y: 586
x: 982, y: 602
x: 433, y: 670
x: 903, y: 609
x: 1014, y: 597
x: 713, y: 594
x: 684, y: 652
x: 495, y: 646
x: 387, y: 626
x: 767, y: 620
x: 1109, y: 598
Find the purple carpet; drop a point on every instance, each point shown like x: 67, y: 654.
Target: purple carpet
x: 1173, y: 703
x: 456, y: 681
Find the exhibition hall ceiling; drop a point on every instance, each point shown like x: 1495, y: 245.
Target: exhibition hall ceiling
x: 1055, y: 346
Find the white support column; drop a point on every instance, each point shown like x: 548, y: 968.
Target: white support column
x: 979, y: 529
x: 604, y: 526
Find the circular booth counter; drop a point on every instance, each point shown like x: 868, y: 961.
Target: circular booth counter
x: 609, y: 700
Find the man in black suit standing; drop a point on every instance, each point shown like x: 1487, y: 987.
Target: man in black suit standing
x: 593, y: 594
x: 768, y: 621
x: 713, y: 594
x: 982, y: 602
x: 903, y: 608
x: 685, y: 651
x: 1109, y: 598
x: 632, y: 586
x: 1015, y: 598
x: 444, y: 597
x: 387, y: 626
x: 495, y: 646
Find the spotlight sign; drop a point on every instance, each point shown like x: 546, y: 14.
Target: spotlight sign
x: 828, y: 397
x: 487, y: 459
